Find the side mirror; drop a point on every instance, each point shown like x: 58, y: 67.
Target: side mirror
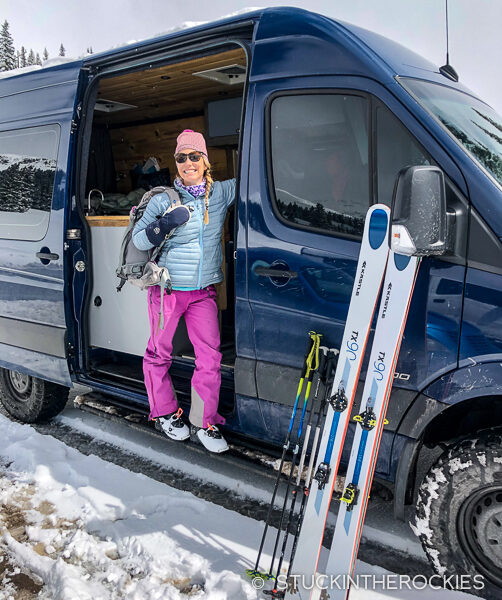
x: 418, y: 216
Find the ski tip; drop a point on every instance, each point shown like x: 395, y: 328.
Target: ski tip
x: 378, y: 228
x: 401, y: 261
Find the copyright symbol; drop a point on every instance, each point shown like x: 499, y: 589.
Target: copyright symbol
x: 257, y: 583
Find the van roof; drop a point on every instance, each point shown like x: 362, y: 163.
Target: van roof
x: 372, y: 54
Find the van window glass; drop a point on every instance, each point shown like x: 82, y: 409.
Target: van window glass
x: 319, y: 154
x: 473, y: 124
x: 396, y: 149
x: 28, y: 159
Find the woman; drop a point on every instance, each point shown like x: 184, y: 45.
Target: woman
x: 193, y: 256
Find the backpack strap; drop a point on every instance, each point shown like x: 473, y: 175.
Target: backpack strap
x: 173, y: 196
x: 175, y: 199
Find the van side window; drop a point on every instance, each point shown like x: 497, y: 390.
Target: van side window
x: 396, y: 149
x: 28, y: 159
x: 319, y: 157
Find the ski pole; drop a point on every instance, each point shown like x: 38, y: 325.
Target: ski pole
x: 331, y: 362
x: 321, y: 375
x: 310, y: 373
x: 254, y: 572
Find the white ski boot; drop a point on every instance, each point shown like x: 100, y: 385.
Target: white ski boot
x: 173, y: 426
x: 210, y: 438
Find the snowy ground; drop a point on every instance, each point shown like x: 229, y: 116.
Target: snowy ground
x: 77, y: 527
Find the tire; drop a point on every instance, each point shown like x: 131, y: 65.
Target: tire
x: 459, y: 514
x: 29, y: 399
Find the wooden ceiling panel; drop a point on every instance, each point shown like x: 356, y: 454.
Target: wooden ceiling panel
x: 166, y: 91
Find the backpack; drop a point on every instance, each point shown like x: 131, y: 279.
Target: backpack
x: 139, y: 267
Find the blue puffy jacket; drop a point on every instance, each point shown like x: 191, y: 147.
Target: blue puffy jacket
x: 193, y: 253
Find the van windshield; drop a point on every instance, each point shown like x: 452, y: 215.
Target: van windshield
x: 475, y: 125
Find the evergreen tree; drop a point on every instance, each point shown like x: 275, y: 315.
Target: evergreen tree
x: 7, y: 50
x: 45, y: 55
x: 37, y: 60
x: 62, y: 51
x: 22, y: 57
x: 31, y: 58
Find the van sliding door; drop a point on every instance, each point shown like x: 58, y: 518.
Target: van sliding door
x: 36, y: 114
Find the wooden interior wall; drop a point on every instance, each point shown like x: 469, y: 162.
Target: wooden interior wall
x: 133, y: 145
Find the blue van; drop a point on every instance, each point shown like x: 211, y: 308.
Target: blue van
x: 316, y: 119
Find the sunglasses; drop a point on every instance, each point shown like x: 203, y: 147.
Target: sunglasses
x: 194, y: 157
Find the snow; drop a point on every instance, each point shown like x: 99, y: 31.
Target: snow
x: 379, y: 527
x: 482, y: 458
x: 19, y: 71
x: 421, y: 527
x: 131, y: 444
x: 456, y: 464
x: 164, y: 539
x: 90, y: 529
x: 186, y: 25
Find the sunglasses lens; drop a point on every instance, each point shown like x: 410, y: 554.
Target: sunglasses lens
x: 181, y: 158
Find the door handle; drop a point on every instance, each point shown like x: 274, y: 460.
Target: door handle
x: 264, y: 272
x: 47, y: 256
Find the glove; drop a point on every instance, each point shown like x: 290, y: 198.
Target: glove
x: 157, y: 230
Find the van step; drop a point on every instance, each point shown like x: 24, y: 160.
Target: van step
x: 105, y: 406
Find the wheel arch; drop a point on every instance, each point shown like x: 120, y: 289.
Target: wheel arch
x: 430, y: 426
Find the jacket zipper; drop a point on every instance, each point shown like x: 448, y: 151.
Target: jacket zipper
x: 201, y: 241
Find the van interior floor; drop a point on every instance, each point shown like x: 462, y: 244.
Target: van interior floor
x: 126, y: 370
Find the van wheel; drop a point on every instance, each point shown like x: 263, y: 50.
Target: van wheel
x: 29, y: 399
x: 459, y: 514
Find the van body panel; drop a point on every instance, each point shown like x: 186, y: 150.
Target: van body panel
x: 35, y: 363
x: 32, y: 288
x: 482, y: 322
x: 470, y: 381
x: 244, y: 324
x: 486, y: 196
x: 67, y: 72
x: 55, y: 100
x: 399, y: 59
x: 326, y: 48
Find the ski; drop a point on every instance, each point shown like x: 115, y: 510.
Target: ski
x: 397, y: 292
x: 369, y: 275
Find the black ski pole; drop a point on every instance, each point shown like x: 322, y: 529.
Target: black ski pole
x: 331, y: 362
x: 254, y: 572
x: 310, y: 374
x: 321, y: 375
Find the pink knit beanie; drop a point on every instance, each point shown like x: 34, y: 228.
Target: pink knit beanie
x: 191, y: 140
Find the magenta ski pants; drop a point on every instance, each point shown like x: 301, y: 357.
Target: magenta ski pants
x: 201, y: 317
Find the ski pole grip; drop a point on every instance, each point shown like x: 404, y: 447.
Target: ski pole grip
x: 310, y: 343
x: 331, y: 361
x: 323, y: 361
